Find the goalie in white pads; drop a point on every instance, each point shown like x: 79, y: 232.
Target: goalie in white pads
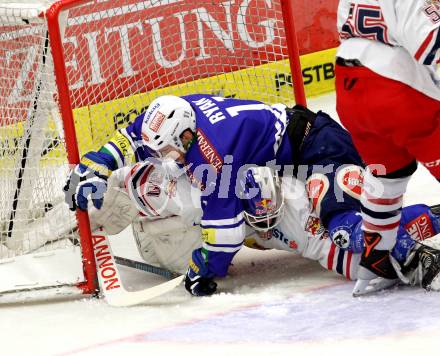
x: 278, y: 213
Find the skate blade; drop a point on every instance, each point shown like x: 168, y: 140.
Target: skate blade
x: 370, y: 286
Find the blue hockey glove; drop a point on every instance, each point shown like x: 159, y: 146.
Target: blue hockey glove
x: 198, y: 280
x: 419, y: 222
x: 89, y: 178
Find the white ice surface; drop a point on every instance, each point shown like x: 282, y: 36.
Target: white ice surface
x: 272, y: 303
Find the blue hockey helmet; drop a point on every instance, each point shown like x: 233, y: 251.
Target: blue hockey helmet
x: 262, y: 198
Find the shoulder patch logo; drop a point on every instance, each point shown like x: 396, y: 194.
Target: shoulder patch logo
x: 314, y: 226
x: 317, y: 186
x: 351, y: 180
x: 341, y: 238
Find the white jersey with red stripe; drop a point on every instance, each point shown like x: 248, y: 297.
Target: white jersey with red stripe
x: 397, y: 39
x: 301, y: 231
x: 158, y: 192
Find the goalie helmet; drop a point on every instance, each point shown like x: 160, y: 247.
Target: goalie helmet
x: 159, y: 189
x: 263, y: 198
x: 165, y: 120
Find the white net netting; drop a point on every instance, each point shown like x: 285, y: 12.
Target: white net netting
x: 33, y: 162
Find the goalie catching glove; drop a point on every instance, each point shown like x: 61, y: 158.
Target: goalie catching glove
x: 198, y: 281
x: 88, y: 178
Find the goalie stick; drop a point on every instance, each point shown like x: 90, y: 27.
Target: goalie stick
x: 146, y: 267
x: 110, y: 281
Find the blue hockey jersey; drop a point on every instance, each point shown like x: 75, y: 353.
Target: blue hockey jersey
x: 231, y: 134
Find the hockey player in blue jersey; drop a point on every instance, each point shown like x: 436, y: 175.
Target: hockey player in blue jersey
x: 214, y: 138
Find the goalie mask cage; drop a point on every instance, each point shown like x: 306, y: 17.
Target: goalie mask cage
x: 73, y: 71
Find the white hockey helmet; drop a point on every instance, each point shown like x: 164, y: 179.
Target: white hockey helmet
x: 263, y: 198
x: 165, y: 120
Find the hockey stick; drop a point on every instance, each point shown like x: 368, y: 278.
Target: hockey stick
x: 146, y: 267
x: 110, y: 280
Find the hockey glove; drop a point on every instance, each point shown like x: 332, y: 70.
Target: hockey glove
x: 88, y: 178
x: 198, y: 280
x: 423, y: 264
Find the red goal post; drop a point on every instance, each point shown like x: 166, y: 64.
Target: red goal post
x: 73, y: 71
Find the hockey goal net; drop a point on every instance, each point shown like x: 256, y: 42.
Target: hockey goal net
x: 73, y: 71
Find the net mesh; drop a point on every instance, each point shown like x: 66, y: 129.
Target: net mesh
x: 33, y: 162
x: 120, y: 56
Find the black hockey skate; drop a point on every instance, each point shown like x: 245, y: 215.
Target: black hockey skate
x: 376, y: 271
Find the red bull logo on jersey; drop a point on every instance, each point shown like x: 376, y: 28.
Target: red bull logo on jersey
x: 195, y: 182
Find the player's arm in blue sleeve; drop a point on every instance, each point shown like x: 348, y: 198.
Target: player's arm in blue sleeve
x: 123, y: 147
x: 223, y: 232
x: 89, y: 177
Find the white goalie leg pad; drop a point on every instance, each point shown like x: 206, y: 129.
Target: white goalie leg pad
x: 167, y: 243
x: 117, y: 211
x: 144, y: 241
